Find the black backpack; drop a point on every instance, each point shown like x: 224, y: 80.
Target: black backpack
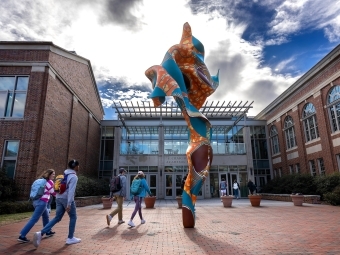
x: 115, y: 184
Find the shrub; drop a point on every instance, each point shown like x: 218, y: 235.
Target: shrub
x: 16, y: 207
x: 326, y: 184
x: 333, y: 197
x: 90, y: 186
x: 294, y: 183
x: 7, y: 187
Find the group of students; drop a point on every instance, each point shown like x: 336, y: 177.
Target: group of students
x: 120, y: 195
x: 64, y: 203
x: 236, y: 186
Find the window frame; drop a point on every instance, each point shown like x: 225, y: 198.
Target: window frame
x: 289, y: 132
x: 274, y: 140
x: 312, y: 167
x: 10, y: 158
x: 10, y: 106
x: 308, y: 117
x: 333, y: 106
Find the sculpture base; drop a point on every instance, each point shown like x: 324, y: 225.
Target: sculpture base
x: 188, y: 218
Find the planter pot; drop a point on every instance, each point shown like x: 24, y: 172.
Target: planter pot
x: 107, y: 204
x: 149, y: 202
x: 227, y: 200
x: 179, y: 201
x: 297, y: 199
x: 255, y: 200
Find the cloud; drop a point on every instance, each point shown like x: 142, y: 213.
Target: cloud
x: 124, y: 13
x: 292, y: 16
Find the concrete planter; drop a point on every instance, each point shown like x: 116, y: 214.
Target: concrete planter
x: 179, y: 201
x: 227, y: 200
x: 149, y: 202
x: 297, y: 199
x: 107, y: 204
x: 255, y: 200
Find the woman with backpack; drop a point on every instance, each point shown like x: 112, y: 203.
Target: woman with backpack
x: 40, y: 207
x: 143, y: 187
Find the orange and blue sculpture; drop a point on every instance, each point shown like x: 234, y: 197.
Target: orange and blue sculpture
x: 184, y: 76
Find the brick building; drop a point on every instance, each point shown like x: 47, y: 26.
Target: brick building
x: 304, y: 122
x: 50, y: 111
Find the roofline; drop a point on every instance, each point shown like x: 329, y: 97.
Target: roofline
x: 301, y: 81
x: 48, y: 45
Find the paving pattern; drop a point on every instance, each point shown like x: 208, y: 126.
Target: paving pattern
x: 273, y: 228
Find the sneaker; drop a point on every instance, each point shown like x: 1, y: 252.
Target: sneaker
x: 108, y: 219
x: 50, y: 233
x: 142, y: 222
x: 73, y: 240
x: 23, y: 239
x: 131, y: 224
x: 37, y: 239
x: 121, y: 222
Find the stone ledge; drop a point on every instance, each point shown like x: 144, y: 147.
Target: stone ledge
x: 309, y: 199
x: 85, y: 201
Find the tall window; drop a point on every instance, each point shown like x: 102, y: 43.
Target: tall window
x: 334, y: 107
x: 321, y: 166
x: 309, y: 122
x: 13, y: 90
x: 291, y: 169
x: 9, y: 160
x: 274, y: 137
x: 312, y: 167
x: 289, y: 132
x: 297, y: 168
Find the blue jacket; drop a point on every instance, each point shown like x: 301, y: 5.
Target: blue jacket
x: 145, y: 188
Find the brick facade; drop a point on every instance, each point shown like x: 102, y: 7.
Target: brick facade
x: 314, y: 88
x: 62, y: 111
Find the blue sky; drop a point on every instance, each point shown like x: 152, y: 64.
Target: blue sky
x: 261, y: 47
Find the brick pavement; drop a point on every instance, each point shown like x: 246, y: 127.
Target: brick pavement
x: 273, y: 228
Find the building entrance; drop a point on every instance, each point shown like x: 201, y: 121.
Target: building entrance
x: 173, y: 185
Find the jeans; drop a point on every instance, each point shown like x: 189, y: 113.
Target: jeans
x: 39, y: 210
x: 119, y: 208
x: 236, y: 193
x: 138, y: 207
x: 61, y: 205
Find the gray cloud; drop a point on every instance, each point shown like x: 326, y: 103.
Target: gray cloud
x: 230, y: 68
x: 122, y: 13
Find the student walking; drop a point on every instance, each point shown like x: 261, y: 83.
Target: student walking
x: 64, y: 203
x: 139, y: 198
x: 119, y: 197
x: 236, y: 187
x: 251, y: 186
x: 40, y: 207
x: 223, y: 187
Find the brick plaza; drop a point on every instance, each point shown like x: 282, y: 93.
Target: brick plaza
x: 273, y: 228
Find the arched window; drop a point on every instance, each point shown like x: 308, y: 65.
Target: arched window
x: 333, y: 101
x: 274, y: 137
x: 289, y: 132
x: 309, y: 122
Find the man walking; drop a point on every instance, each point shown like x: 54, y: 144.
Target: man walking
x: 64, y: 203
x: 119, y: 197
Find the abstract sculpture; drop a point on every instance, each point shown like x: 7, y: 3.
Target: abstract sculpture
x: 184, y: 76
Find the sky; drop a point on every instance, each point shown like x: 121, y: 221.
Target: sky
x: 261, y: 47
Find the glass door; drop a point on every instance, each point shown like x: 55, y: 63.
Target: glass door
x: 173, y: 185
x: 260, y: 181
x: 151, y: 179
